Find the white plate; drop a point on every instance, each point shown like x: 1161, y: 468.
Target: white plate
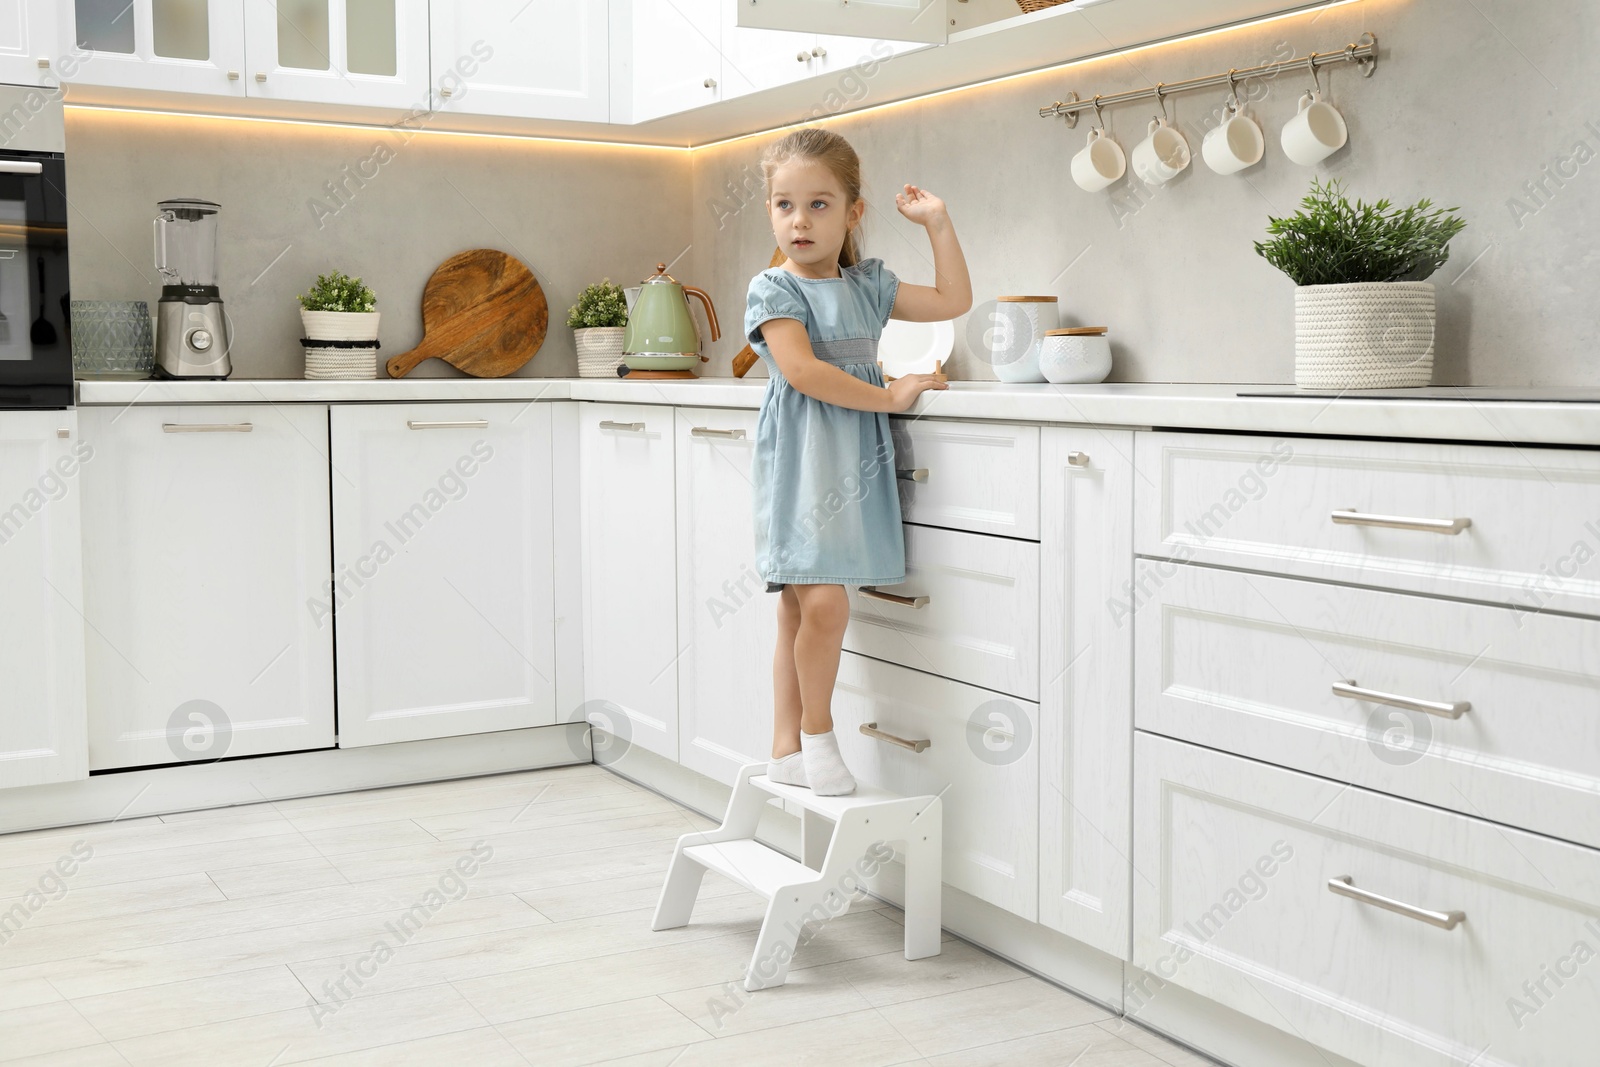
x: 914, y: 347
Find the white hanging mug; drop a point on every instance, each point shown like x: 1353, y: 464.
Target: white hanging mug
x: 1098, y: 163
x: 1161, y: 156
x: 1235, y: 144
x: 1316, y: 132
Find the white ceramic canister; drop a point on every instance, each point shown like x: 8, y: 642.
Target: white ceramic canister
x: 1019, y: 324
x: 1080, y: 355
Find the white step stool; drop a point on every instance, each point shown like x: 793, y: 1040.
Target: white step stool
x: 836, y: 834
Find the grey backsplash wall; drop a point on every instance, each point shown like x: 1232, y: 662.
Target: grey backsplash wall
x: 1473, y: 100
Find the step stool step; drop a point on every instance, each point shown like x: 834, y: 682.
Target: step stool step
x: 752, y: 864
x: 828, y: 807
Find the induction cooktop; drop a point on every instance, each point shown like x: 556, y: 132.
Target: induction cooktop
x: 1475, y: 394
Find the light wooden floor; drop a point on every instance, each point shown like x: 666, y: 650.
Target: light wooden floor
x: 204, y: 938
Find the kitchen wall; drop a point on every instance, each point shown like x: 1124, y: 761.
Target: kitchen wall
x: 1472, y: 100
x: 573, y: 213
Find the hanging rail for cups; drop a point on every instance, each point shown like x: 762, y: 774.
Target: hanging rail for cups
x: 1363, y: 53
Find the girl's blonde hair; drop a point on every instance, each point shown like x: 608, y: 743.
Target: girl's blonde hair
x: 833, y: 152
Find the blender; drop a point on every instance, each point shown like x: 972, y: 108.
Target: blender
x: 192, y: 335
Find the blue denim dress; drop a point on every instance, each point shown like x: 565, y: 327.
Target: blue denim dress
x: 827, y: 507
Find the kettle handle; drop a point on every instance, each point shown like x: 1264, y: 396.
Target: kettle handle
x: 711, y: 312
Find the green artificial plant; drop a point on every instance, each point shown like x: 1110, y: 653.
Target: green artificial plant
x: 1331, y: 242
x: 601, y: 304
x: 338, y: 292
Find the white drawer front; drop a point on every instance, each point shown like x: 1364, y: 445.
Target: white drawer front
x: 1268, y: 504
x: 1248, y: 664
x: 981, y: 758
x: 1232, y: 901
x: 979, y: 622
x: 978, y: 476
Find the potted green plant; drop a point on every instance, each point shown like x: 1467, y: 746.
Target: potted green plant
x: 339, y: 317
x: 598, y: 322
x: 1364, y: 315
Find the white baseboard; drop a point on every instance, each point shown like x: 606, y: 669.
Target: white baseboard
x: 157, y: 791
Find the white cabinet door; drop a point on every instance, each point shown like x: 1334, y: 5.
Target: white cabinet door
x: 547, y: 59
x: 1086, y: 662
x: 630, y: 593
x: 753, y: 60
x: 665, y: 57
x: 195, y: 47
x: 727, y: 622
x: 368, y: 52
x: 901, y: 20
x: 443, y: 569
x: 41, y: 628
x: 28, y: 37
x: 206, y: 548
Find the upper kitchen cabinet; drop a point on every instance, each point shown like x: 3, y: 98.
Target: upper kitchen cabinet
x: 364, y: 52
x: 547, y: 59
x: 184, y: 46
x: 904, y: 20
x: 665, y: 58
x: 28, y: 47
x: 42, y: 720
x: 443, y: 569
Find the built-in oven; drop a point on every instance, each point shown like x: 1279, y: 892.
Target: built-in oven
x: 35, y: 346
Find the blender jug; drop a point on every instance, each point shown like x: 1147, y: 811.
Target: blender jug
x: 192, y: 334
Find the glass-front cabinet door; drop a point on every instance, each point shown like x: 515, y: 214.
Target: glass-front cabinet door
x: 367, y: 52
x: 28, y: 48
x: 184, y: 46
x: 526, y: 60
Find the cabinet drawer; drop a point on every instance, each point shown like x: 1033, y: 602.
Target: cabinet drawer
x: 978, y: 476
x: 1307, y: 507
x: 1249, y: 664
x: 1233, y: 901
x: 980, y: 757
x: 973, y: 616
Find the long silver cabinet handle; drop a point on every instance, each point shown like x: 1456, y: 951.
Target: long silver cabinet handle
x: 906, y: 474
x: 448, y: 424
x: 1352, y: 517
x: 871, y: 730
x: 612, y: 424
x: 892, y: 598
x: 708, y: 431
x: 207, y: 427
x: 1344, y: 885
x: 1452, y: 710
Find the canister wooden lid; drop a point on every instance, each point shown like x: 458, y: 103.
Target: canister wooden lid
x: 1026, y: 299
x: 1077, y: 331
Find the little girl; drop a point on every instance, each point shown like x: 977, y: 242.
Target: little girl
x: 827, y: 507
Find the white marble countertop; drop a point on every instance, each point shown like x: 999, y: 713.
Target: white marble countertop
x: 1481, y: 414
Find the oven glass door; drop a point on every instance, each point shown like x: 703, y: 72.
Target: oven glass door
x: 35, y: 326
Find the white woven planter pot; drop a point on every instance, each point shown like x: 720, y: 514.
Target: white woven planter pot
x: 341, y: 363
x: 599, y: 350
x: 1363, y: 335
x: 340, y: 325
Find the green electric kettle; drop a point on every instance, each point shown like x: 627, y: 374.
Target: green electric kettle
x: 661, y: 333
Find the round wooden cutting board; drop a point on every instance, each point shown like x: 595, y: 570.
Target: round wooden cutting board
x: 483, y: 312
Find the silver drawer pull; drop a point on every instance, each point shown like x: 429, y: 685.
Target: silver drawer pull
x: 1078, y: 459
x: 1444, y: 920
x: 707, y: 431
x: 1452, y: 710
x: 871, y: 730
x: 892, y: 598
x: 906, y: 474
x: 609, y: 424
x: 206, y: 427
x: 448, y: 424
x: 1352, y: 517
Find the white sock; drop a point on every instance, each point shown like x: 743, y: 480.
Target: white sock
x: 790, y: 770
x: 825, y: 768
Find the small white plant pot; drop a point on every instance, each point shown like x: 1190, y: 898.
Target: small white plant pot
x: 340, y: 325
x: 599, y: 350
x: 1364, y: 335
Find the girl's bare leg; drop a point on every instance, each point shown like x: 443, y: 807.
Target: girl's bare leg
x: 785, y: 679
x: 824, y: 613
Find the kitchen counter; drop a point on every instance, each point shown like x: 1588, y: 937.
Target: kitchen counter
x: 1479, y: 414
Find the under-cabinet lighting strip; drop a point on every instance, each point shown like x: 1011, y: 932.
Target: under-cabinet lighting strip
x: 597, y: 143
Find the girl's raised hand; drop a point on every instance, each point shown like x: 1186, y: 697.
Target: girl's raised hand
x: 919, y: 205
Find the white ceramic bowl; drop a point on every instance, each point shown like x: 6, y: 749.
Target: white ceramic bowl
x: 1075, y: 359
